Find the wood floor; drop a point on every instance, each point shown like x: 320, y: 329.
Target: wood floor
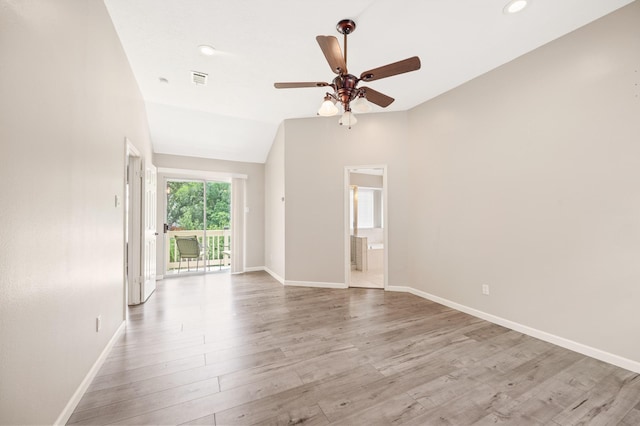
x: 225, y: 350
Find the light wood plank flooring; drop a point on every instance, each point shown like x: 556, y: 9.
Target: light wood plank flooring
x: 242, y: 349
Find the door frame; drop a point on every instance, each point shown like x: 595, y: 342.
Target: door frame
x: 347, y: 227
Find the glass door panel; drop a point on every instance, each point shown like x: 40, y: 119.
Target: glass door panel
x: 185, y: 219
x: 218, y: 201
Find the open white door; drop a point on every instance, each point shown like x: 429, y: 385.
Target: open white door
x: 133, y: 225
x: 150, y: 233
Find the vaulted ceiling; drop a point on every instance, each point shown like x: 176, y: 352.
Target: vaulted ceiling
x: 236, y: 115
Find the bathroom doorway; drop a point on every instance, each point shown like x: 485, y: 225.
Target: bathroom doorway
x: 365, y: 229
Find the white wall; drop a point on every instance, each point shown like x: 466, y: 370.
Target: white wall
x: 528, y: 179
x: 317, y: 150
x: 68, y: 101
x: 274, y: 256
x: 254, y: 192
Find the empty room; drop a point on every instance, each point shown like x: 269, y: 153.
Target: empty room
x: 356, y: 212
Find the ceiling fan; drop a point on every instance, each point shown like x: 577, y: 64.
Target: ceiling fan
x: 345, y: 85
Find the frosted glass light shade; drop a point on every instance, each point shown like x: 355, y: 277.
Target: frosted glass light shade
x: 327, y: 109
x: 361, y: 105
x: 347, y: 119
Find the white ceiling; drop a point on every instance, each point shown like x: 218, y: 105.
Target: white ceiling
x: 236, y: 116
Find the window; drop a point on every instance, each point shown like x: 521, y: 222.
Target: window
x: 369, y: 207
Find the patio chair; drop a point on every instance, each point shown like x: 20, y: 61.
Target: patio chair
x: 188, y: 248
x: 226, y: 251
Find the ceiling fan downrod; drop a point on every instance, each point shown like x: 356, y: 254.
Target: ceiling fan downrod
x: 346, y: 27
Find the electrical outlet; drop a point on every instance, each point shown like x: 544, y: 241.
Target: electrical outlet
x: 485, y: 289
x: 98, y: 323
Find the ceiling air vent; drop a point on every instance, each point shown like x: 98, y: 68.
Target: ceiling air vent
x: 199, y: 78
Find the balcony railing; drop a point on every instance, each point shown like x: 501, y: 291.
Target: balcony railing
x: 216, y: 246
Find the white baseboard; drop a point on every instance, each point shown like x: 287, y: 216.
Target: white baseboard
x: 254, y: 269
x: 63, y: 418
x: 316, y: 284
x: 274, y: 275
x: 590, y: 351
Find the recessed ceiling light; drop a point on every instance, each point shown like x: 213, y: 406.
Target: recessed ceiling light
x: 515, y: 6
x: 206, y: 50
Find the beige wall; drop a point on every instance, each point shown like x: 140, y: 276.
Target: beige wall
x: 274, y: 255
x: 68, y: 101
x: 317, y: 150
x: 254, y: 218
x: 528, y: 179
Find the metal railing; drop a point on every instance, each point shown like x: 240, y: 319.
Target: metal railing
x: 216, y: 245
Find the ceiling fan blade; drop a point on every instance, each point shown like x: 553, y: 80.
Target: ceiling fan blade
x: 331, y: 49
x: 377, y: 98
x: 300, y: 84
x: 400, y: 67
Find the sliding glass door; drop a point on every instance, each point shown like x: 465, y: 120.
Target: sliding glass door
x: 197, y: 226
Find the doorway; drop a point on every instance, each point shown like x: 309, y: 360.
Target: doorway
x: 366, y: 229
x: 197, y: 226
x: 139, y: 227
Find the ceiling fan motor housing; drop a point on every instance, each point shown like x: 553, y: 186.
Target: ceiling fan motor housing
x: 345, y: 87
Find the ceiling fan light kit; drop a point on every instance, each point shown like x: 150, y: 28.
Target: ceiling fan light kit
x: 328, y: 107
x: 348, y: 119
x: 345, y: 85
x: 361, y: 105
